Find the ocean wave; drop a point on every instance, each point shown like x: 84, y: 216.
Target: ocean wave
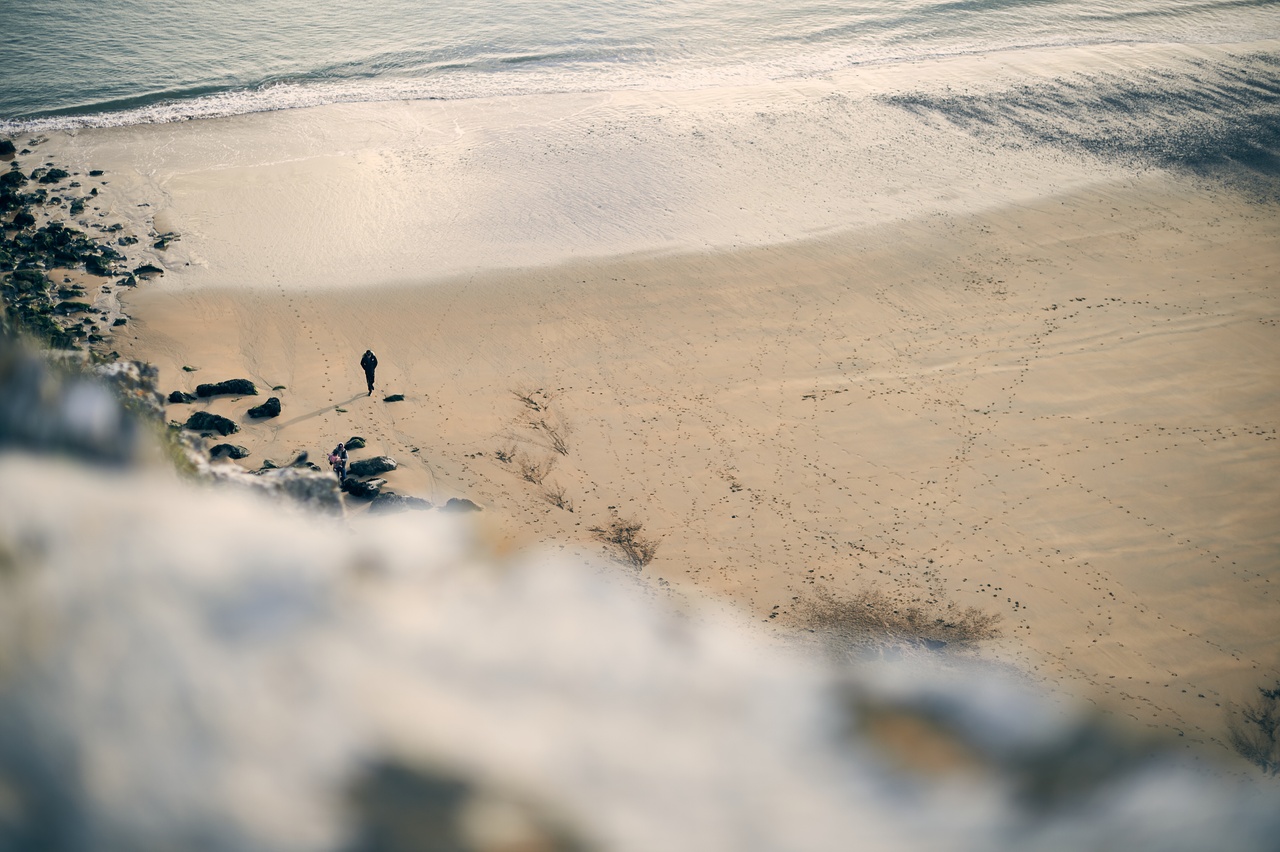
x: 392, y: 76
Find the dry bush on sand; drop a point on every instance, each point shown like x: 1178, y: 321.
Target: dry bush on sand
x: 535, y: 400
x: 874, y: 619
x: 637, y: 550
x: 555, y: 495
x: 555, y: 434
x: 1253, y: 729
x: 534, y: 471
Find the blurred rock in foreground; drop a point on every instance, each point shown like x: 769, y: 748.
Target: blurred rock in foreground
x: 312, y: 683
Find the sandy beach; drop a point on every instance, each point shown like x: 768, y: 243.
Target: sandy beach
x: 813, y: 343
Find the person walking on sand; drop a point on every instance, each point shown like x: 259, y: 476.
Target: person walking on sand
x: 338, y: 458
x: 370, y: 363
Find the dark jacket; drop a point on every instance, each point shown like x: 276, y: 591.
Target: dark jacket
x: 369, y: 361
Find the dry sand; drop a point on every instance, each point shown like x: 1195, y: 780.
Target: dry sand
x: 1063, y: 413
x: 1029, y: 384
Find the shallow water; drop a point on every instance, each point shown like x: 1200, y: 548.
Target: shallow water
x: 70, y: 63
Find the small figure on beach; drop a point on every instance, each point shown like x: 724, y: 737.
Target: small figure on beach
x: 338, y: 459
x: 370, y: 363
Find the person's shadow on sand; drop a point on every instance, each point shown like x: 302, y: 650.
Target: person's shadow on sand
x: 309, y: 415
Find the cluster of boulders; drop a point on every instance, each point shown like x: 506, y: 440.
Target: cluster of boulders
x: 363, y: 479
x: 33, y: 245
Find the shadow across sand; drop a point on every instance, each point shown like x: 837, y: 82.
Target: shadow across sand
x: 312, y: 414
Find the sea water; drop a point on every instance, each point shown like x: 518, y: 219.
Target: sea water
x: 315, y: 144
x: 69, y: 63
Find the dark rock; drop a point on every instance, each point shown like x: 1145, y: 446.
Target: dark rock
x: 95, y: 265
x: 365, y: 489
x: 355, y: 442
x: 119, y: 321
x: 389, y: 501
x: 181, y: 398
x: 6, y: 148
x: 73, y: 307
x: 13, y: 178
x: 395, y: 397
x: 23, y: 219
x: 127, y: 240
x: 237, y: 387
x: 205, y: 421
x: 459, y: 504
x: 300, y: 461
x: 372, y: 467
x: 268, y: 464
x: 232, y: 451
x: 95, y: 172
x: 163, y: 242
x: 270, y: 408
x: 147, y: 269
x: 77, y: 207
x: 29, y: 279
x: 53, y: 175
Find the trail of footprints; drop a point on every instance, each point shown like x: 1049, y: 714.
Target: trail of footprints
x: 972, y: 435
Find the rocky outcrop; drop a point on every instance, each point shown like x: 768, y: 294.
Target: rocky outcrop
x: 372, y: 467
x: 102, y: 266
x: 366, y: 489
x: 302, y: 486
x: 55, y: 405
x: 270, y: 408
x: 135, y: 385
x: 231, y: 451
x: 234, y: 387
x: 410, y: 682
x: 181, y: 397
x: 307, y: 487
x: 389, y: 501
x: 31, y: 302
x: 355, y: 442
x: 459, y: 504
x: 51, y: 175
x: 207, y: 421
